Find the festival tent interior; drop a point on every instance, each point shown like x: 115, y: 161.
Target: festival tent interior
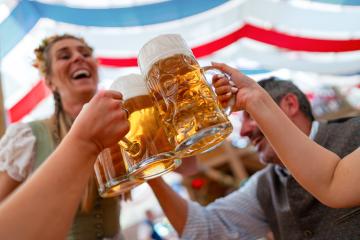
x: 315, y: 43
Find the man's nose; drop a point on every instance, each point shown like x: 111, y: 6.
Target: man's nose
x: 246, y: 128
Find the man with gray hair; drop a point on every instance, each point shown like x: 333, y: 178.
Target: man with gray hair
x: 271, y: 200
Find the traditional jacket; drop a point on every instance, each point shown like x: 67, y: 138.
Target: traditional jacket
x: 292, y: 212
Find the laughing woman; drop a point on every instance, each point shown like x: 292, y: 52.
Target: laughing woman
x: 71, y: 72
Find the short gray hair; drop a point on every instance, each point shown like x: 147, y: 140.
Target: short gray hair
x: 278, y: 88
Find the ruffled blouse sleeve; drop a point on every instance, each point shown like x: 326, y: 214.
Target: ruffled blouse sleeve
x: 17, y: 151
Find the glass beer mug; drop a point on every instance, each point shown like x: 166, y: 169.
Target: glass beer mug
x: 188, y: 107
x: 112, y: 173
x: 155, y: 154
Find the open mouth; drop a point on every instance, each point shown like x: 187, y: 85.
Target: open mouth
x: 81, y: 74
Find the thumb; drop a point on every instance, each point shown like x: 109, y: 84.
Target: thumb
x: 232, y: 72
x: 225, y: 68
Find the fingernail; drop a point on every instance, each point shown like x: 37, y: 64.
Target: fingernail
x: 234, y: 89
x: 220, y: 75
x: 232, y: 83
x: 228, y: 94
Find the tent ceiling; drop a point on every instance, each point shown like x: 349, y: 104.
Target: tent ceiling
x: 301, y: 36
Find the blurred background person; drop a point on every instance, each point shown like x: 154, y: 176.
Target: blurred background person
x: 147, y: 230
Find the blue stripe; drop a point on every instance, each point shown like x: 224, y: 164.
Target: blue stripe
x: 254, y: 71
x: 129, y: 16
x: 25, y: 15
x: 340, y: 2
x: 265, y: 71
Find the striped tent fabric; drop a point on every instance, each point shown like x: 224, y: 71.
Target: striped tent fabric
x: 320, y: 38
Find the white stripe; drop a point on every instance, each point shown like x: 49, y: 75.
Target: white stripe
x: 309, y: 21
x: 102, y: 3
x: 6, y: 7
x: 270, y: 57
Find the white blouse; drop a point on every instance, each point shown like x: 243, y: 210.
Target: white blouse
x: 17, y: 151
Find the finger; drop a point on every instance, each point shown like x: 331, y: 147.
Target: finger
x: 124, y: 128
x: 127, y: 113
x: 123, y: 108
x: 234, y: 90
x: 224, y: 104
x: 120, y: 123
x: 84, y: 106
x: 225, y: 98
x: 123, y: 113
x: 225, y: 68
x: 113, y: 104
x: 111, y: 94
x: 223, y: 90
x: 217, y: 77
x: 232, y: 83
x: 221, y: 82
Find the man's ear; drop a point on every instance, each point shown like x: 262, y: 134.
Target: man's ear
x: 290, y: 104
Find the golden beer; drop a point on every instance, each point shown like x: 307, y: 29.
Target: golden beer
x: 112, y: 173
x: 189, y: 110
x: 155, y: 155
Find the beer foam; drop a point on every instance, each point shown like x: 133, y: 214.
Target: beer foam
x: 161, y: 47
x: 131, y: 85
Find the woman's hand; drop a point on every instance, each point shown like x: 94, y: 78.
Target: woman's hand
x: 245, y: 88
x: 102, y: 122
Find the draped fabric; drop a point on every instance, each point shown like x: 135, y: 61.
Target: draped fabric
x: 256, y: 36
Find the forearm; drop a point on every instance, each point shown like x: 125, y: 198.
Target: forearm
x: 50, y: 197
x: 312, y: 165
x: 173, y: 205
x: 7, y: 185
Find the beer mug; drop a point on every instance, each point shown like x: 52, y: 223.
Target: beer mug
x: 112, y: 173
x: 189, y: 110
x: 155, y: 155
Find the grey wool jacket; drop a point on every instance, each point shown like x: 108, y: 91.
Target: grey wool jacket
x: 292, y: 212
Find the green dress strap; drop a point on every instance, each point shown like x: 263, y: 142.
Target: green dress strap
x: 103, y: 220
x: 45, y: 144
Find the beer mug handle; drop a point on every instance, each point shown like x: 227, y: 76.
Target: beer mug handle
x: 231, y: 103
x: 134, y: 148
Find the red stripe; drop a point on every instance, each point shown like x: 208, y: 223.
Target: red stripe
x: 295, y: 43
x: 118, y: 62
x: 29, y: 101
x: 211, y: 47
x: 268, y: 36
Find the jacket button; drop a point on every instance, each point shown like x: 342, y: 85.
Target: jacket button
x: 308, y: 233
